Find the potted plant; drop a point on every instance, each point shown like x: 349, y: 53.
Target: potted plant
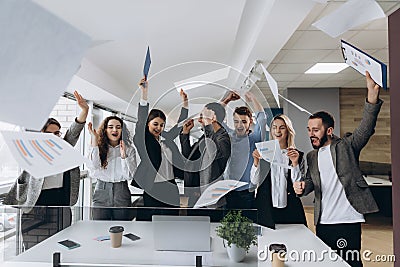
x: 239, y: 233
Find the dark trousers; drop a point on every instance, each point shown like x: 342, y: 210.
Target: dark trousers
x: 345, y: 238
x: 112, y: 201
x: 162, y: 199
x: 242, y: 200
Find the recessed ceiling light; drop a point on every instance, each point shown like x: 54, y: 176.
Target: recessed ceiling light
x: 327, y: 68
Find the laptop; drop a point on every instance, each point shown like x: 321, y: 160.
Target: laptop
x: 181, y: 233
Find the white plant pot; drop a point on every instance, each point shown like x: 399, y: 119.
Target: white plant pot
x: 235, y: 253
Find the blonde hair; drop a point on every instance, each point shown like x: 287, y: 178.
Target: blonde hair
x: 289, y: 127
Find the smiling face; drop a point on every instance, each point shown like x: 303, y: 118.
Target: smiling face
x: 242, y: 124
x: 279, y: 131
x: 317, y: 133
x: 156, y: 126
x: 114, y: 132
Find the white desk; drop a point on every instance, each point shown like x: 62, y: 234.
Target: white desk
x: 141, y: 252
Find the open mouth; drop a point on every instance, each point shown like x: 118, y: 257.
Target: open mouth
x: 115, y: 134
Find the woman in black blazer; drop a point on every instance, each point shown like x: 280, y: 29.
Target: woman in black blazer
x: 159, y: 157
x: 275, y: 194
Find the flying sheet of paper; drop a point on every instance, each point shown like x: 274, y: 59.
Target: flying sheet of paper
x: 217, y: 190
x: 362, y: 62
x: 349, y: 15
x: 200, y: 80
x: 273, y: 85
x: 296, y: 106
x: 42, y: 154
x: 39, y: 55
x: 147, y: 63
x: 271, y: 151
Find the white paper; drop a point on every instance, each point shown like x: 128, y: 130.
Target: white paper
x: 295, y: 105
x: 203, y: 79
x: 349, y: 15
x: 39, y: 55
x: 42, y: 154
x: 273, y: 85
x: 217, y: 190
x: 271, y: 151
x: 362, y: 62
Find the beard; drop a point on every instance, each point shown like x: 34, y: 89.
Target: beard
x: 322, y: 141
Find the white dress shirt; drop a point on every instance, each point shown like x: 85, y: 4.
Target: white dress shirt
x: 117, y: 169
x: 335, y: 208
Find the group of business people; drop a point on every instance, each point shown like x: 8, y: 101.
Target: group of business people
x: 342, y: 196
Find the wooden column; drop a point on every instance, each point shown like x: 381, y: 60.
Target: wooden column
x: 394, y: 71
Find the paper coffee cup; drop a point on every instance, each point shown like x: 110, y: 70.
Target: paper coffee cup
x: 278, y: 254
x: 116, y: 236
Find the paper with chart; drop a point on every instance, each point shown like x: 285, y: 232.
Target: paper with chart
x: 42, y: 154
x: 39, y: 55
x: 217, y: 190
x: 270, y: 151
x: 362, y: 62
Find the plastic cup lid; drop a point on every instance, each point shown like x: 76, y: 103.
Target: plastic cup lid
x: 277, y: 247
x: 116, y: 229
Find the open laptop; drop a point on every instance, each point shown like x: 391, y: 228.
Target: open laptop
x: 181, y: 233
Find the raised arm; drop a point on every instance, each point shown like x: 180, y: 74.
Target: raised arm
x: 174, y: 132
x: 260, y: 130
x: 366, y: 129
x: 74, y: 131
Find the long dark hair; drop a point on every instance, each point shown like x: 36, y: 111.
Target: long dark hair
x: 104, y: 142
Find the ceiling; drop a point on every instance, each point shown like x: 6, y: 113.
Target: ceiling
x: 191, y: 38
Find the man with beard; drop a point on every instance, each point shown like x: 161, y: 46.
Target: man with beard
x: 341, y: 194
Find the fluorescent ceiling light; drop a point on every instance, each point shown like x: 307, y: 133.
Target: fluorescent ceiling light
x: 327, y: 68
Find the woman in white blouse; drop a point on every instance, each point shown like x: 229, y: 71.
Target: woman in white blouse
x: 113, y: 164
x: 275, y: 181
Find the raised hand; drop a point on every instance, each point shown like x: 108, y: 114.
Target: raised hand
x: 184, y: 97
x: 122, y: 149
x: 94, y: 134
x: 230, y: 96
x: 293, y: 155
x: 373, y: 89
x: 256, y: 157
x: 83, y: 106
x: 144, y: 86
x: 187, y: 126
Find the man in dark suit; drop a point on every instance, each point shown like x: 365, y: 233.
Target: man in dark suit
x: 342, y: 196
x: 208, y: 157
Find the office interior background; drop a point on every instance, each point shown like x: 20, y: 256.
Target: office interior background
x: 191, y: 38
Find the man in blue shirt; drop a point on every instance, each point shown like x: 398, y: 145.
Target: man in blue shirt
x: 242, y: 146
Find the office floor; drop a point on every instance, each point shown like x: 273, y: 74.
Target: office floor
x: 377, y: 236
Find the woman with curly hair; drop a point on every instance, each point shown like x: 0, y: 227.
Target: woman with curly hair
x: 113, y: 161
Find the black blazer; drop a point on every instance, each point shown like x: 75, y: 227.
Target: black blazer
x: 149, y: 150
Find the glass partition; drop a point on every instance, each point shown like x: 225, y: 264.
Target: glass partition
x: 173, y: 237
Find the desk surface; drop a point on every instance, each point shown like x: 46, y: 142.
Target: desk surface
x: 297, y: 238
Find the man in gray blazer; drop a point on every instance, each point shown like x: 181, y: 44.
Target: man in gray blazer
x: 342, y: 196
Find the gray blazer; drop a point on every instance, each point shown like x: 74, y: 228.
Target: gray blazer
x: 26, y: 189
x: 345, y: 154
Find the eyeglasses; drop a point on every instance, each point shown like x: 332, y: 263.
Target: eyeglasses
x: 58, y: 133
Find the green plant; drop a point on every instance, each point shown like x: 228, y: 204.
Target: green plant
x: 237, y: 229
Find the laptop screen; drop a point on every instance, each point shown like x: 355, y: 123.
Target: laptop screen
x: 181, y: 233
